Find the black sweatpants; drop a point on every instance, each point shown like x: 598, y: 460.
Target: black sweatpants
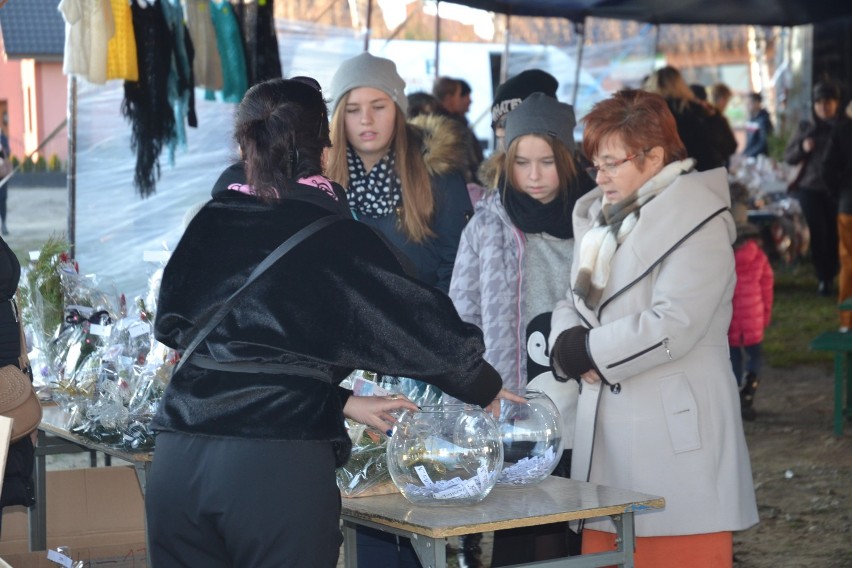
x: 820, y: 211
x: 236, y: 503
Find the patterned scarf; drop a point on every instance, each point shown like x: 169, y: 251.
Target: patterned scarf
x: 375, y: 194
x: 610, y: 229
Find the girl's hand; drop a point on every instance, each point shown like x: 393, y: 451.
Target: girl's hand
x: 494, y: 407
x: 375, y: 410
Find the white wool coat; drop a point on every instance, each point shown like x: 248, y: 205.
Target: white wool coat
x: 660, y: 333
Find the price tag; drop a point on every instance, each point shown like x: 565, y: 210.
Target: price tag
x: 100, y: 330
x: 34, y: 254
x: 139, y: 328
x: 59, y: 558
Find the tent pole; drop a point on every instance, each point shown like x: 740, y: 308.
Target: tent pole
x: 437, y: 38
x: 71, y: 178
x: 656, y: 46
x: 504, y: 64
x: 580, y: 30
x: 369, y: 23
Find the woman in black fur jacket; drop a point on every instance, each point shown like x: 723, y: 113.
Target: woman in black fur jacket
x: 18, y: 477
x: 251, y: 428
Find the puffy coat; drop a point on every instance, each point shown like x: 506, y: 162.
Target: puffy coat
x: 752, y: 296
x: 443, y: 152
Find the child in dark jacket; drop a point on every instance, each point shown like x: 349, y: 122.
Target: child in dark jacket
x: 752, y: 303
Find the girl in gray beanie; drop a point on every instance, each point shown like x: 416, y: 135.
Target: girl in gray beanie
x: 405, y: 180
x: 512, y: 267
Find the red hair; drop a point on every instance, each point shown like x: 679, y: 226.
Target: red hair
x: 641, y: 119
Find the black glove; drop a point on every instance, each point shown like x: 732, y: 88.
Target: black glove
x: 569, y: 352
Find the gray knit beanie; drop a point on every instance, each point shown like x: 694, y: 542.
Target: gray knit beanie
x: 540, y: 114
x: 367, y: 70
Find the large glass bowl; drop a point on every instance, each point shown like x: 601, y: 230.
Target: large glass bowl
x: 531, y: 434
x: 448, y: 454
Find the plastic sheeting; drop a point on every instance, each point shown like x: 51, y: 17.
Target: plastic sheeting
x: 114, y: 227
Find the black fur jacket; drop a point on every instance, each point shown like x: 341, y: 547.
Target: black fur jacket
x: 338, y: 301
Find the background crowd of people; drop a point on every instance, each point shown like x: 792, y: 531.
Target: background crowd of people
x: 619, y: 275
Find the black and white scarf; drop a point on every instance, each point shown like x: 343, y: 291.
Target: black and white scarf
x: 375, y: 194
x: 613, y: 224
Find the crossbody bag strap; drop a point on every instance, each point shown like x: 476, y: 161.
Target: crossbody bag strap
x: 23, y: 359
x: 267, y: 262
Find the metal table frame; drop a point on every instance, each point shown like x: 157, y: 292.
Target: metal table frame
x: 55, y: 438
x: 554, y: 500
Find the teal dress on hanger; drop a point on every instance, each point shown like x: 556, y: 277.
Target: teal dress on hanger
x: 231, y: 51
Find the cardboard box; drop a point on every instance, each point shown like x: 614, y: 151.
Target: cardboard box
x: 86, y: 508
x: 119, y: 556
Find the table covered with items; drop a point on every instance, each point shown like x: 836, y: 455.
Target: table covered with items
x: 447, y: 469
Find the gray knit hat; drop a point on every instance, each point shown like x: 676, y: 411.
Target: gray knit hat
x: 367, y: 70
x: 540, y: 114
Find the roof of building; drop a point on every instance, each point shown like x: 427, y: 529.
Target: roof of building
x: 32, y: 29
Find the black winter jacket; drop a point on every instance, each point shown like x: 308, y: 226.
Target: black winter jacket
x: 338, y: 301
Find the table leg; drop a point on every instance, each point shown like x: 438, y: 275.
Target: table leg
x: 625, y: 537
x: 38, y: 512
x: 142, y: 475
x: 350, y: 551
x: 432, y: 552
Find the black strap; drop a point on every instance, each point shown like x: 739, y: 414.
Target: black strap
x: 267, y: 262
x: 205, y: 362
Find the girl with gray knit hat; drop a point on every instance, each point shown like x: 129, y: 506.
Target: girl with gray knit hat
x: 513, y: 266
x: 405, y: 180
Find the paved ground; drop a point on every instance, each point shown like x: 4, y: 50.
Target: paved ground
x: 33, y: 215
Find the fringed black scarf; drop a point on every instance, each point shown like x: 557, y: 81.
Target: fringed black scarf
x: 146, y: 101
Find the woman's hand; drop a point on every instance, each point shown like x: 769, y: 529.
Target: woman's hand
x: 494, y: 407
x: 376, y: 411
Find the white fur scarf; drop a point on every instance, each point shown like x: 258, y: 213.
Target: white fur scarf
x: 613, y: 224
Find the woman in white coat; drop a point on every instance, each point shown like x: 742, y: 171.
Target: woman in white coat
x: 643, y: 327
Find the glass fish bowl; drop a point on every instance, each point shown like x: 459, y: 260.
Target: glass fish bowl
x: 445, y: 455
x: 531, y: 436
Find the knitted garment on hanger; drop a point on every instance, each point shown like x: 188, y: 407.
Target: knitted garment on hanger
x: 180, y: 84
x: 146, y: 101
x: 121, y: 50
x: 260, y: 40
x: 88, y: 27
x: 206, y: 65
x: 230, y: 43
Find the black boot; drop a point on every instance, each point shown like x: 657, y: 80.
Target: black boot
x: 747, y: 397
x: 470, y: 553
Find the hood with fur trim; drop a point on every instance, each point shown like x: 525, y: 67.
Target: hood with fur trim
x: 443, y: 144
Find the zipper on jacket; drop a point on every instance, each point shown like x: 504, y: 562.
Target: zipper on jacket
x: 664, y: 343
x: 659, y: 260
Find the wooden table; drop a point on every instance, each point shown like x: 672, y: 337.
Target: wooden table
x: 554, y: 500
x: 54, y: 437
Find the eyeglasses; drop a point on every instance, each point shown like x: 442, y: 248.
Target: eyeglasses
x: 611, y: 168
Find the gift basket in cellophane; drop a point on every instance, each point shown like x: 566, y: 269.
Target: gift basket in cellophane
x: 92, y: 353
